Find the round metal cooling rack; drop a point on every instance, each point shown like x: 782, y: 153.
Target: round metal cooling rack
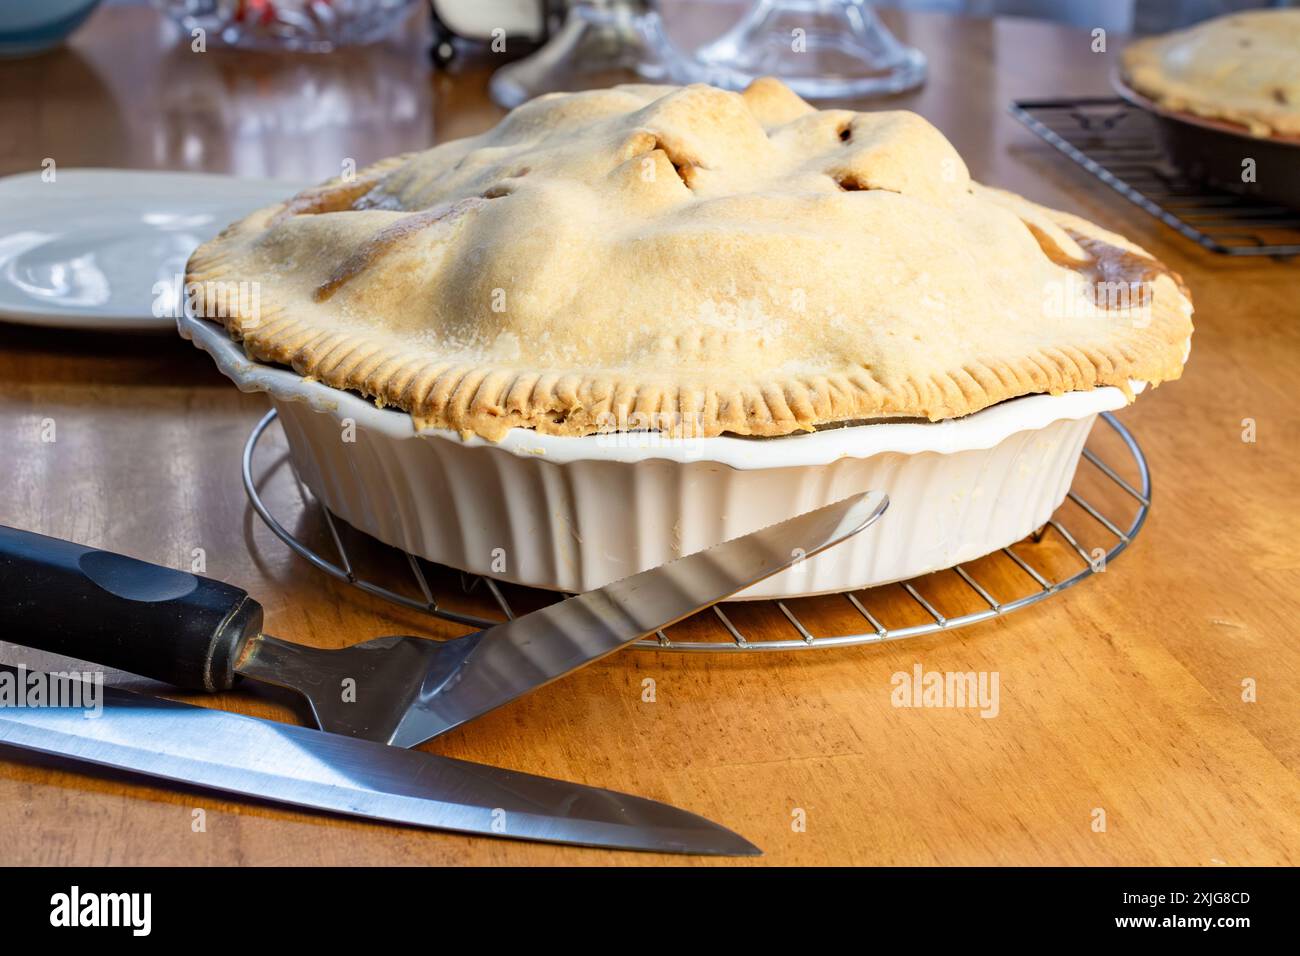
x: 730, y: 636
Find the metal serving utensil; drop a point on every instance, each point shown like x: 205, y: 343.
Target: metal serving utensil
x: 201, y: 634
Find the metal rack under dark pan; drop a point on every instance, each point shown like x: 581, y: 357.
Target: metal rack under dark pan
x: 1117, y: 142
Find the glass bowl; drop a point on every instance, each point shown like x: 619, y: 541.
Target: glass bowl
x: 314, y: 26
x: 27, y: 28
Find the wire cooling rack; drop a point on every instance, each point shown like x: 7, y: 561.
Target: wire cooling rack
x: 1103, y: 512
x: 1117, y: 142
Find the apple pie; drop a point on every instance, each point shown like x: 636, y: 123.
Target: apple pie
x: 694, y: 259
x: 1243, y: 68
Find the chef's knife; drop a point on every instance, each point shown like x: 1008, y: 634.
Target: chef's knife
x: 197, y: 633
x: 307, y: 768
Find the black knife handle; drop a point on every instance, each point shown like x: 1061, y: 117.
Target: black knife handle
x: 122, y: 613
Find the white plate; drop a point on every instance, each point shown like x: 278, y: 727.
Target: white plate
x: 88, y: 250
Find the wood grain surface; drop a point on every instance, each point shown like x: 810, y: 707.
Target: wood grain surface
x: 1124, y: 695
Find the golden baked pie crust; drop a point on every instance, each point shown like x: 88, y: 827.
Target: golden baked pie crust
x: 1243, y: 68
x: 662, y: 302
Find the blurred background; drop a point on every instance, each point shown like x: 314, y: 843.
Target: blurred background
x: 1125, y: 16
x: 288, y: 82
x: 38, y: 22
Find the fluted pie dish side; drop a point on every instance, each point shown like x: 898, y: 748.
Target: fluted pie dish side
x: 573, y: 513
x: 692, y: 260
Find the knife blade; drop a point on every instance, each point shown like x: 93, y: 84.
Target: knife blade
x: 505, y: 662
x: 198, y: 633
x: 287, y: 764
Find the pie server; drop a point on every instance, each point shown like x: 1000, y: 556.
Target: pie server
x: 198, y: 634
x: 209, y: 748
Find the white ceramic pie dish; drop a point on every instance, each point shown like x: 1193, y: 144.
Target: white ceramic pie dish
x: 572, y: 514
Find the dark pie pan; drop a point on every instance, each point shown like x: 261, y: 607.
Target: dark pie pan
x: 1213, y: 151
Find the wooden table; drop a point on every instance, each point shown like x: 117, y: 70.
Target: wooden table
x: 1124, y: 694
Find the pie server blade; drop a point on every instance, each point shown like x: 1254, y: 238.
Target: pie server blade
x: 201, y: 747
x: 198, y: 633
